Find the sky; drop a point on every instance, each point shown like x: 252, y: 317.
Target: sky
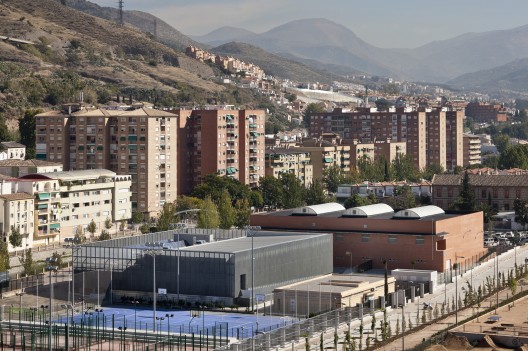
x: 383, y: 23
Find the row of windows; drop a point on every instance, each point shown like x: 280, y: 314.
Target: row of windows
x: 391, y: 239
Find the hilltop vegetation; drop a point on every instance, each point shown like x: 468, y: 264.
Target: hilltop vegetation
x: 74, y: 52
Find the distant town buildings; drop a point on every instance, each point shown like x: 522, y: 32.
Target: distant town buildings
x: 483, y: 113
x: 432, y: 136
x: 226, y: 63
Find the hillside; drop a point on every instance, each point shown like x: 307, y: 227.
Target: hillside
x: 143, y: 21
x: 223, y: 35
x: 512, y: 76
x: 273, y: 64
x: 74, y: 52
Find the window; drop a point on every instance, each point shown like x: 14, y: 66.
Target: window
x: 506, y: 193
x: 242, y: 282
x: 339, y: 237
x: 420, y: 240
x: 392, y: 239
x: 365, y: 238
x: 495, y: 193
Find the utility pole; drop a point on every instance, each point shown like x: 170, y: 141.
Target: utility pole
x: 120, y: 4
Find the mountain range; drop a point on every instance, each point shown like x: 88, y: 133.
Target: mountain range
x: 325, y: 44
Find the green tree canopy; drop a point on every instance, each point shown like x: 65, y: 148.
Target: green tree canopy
x: 501, y: 141
x: 27, y: 132
x: 403, y: 198
x: 243, y: 213
x: 311, y: 109
x: 166, y: 216
x: 208, y: 216
x: 293, y: 189
x: 271, y: 190
x: 356, y: 200
x: 466, y: 200
x: 92, y: 227
x: 514, y: 156
x: 403, y: 168
x: 4, y: 257
x: 213, y: 185
x: 383, y: 104
x: 432, y: 169
x: 15, y: 238
x: 315, y: 194
x: 226, y: 211
x: 521, y: 211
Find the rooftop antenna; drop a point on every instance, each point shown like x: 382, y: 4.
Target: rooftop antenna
x: 120, y: 4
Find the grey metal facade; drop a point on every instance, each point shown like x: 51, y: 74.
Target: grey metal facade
x: 205, y: 271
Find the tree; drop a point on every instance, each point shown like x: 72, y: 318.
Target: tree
x: 15, y: 238
x: 166, y: 216
x: 27, y: 263
x: 466, y: 199
x: 91, y: 228
x: 79, y: 235
x: 271, y: 190
x: 137, y: 217
x: 4, y: 257
x: 357, y: 200
x: 294, y: 190
x: 105, y: 235
x: 144, y: 228
x: 402, y: 168
x: 226, y: 211
x: 208, y: 215
x: 213, y: 185
x: 243, y: 213
x: 403, y: 198
x: 315, y: 193
x: 332, y: 177
x: 122, y: 224
x: 512, y: 284
x: 432, y: 169
x: 501, y: 141
x: 255, y: 199
x: 514, y: 156
x: 521, y: 211
x: 185, y: 203
x: 383, y: 104
x: 108, y: 223
x: 27, y: 132
x: 311, y: 109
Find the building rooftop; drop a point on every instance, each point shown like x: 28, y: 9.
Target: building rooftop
x: 335, y: 283
x: 16, y: 196
x: 484, y: 180
x: 11, y: 144
x: 73, y: 175
x: 28, y: 163
x: 261, y: 240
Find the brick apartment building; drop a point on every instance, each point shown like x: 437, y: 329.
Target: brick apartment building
x: 141, y: 143
x: 419, y: 238
x: 499, y: 191
x: 227, y: 142
x: 431, y: 135
x: 481, y: 112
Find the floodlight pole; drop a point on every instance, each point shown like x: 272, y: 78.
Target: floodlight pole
x: 251, y: 231
x: 154, y: 291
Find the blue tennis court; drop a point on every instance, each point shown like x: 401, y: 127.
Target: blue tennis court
x: 230, y: 324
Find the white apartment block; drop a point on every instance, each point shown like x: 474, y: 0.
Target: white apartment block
x: 19, y: 168
x: 96, y: 194
x: 17, y: 211
x: 11, y: 150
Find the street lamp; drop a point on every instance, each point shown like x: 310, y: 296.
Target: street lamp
x: 50, y: 268
x: 251, y: 231
x: 160, y: 319
x: 177, y: 227
x: 169, y: 316
x: 403, y: 325
x: 153, y: 254
x: 20, y: 294
x: 135, y: 302
x: 456, y: 288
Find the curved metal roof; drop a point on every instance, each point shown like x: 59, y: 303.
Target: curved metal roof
x: 316, y: 210
x: 419, y: 212
x: 368, y: 210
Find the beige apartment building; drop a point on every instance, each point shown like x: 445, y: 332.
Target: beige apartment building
x: 16, y: 211
x: 140, y: 143
x: 324, y: 154
x: 96, y: 194
x: 47, y: 206
x: 378, y: 150
x: 289, y: 160
x: 424, y: 131
x: 225, y: 142
x: 472, y: 153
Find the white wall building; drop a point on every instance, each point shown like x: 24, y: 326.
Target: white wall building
x: 17, y: 211
x: 11, y: 150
